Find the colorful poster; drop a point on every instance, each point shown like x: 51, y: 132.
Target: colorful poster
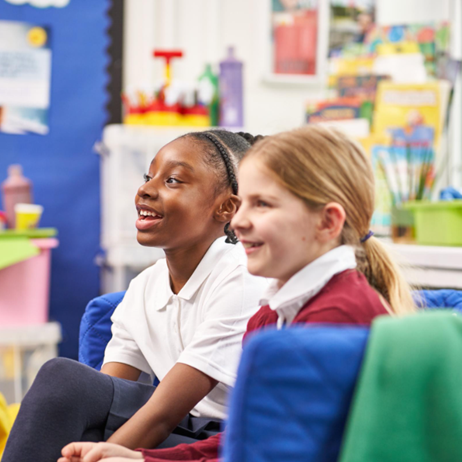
x: 350, y: 22
x: 25, y: 74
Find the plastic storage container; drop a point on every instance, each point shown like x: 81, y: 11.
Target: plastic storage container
x: 25, y: 288
x: 23, y: 350
x: 437, y: 223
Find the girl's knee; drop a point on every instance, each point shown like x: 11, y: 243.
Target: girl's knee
x: 58, y: 370
x: 59, y: 385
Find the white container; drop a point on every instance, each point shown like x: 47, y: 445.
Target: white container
x: 126, y: 153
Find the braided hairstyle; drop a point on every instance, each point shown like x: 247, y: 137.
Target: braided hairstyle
x: 224, y: 150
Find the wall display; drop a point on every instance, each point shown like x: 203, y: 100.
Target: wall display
x: 41, y: 3
x: 294, y: 30
x: 294, y: 40
x: 63, y: 165
x: 350, y: 23
x: 25, y: 73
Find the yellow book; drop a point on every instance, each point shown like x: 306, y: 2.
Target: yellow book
x: 349, y: 66
x: 403, y: 105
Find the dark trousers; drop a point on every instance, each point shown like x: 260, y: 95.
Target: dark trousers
x: 69, y: 401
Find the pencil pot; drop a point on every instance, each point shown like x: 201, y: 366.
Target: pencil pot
x: 402, y: 225
x: 437, y: 223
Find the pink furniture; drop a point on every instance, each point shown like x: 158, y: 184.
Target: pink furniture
x: 25, y: 287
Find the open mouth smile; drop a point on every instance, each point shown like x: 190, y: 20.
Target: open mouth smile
x: 147, y: 218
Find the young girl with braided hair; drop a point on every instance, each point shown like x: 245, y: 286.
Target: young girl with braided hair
x: 307, y: 198
x: 181, y: 320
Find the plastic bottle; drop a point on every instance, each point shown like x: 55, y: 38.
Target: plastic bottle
x: 231, y: 91
x: 208, y: 93
x: 16, y: 189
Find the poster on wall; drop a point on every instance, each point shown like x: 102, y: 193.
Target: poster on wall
x: 25, y: 74
x: 350, y: 23
x: 294, y: 27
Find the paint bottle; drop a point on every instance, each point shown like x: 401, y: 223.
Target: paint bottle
x: 16, y: 189
x: 231, y: 91
x: 208, y: 93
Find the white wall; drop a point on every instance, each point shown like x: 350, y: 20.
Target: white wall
x: 204, y: 28
x: 391, y: 12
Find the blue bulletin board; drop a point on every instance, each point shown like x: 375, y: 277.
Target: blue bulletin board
x: 61, y: 164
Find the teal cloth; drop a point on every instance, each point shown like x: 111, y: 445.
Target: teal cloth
x: 408, y: 402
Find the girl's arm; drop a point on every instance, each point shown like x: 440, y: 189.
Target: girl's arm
x: 201, y: 450
x: 180, y: 390
x: 122, y: 371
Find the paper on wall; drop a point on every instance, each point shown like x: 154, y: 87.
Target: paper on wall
x: 25, y: 74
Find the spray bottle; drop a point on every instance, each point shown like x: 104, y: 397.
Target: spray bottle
x: 16, y: 189
x: 231, y: 91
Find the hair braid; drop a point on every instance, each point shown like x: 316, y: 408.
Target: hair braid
x: 231, y: 237
x: 224, y: 150
x: 226, y: 159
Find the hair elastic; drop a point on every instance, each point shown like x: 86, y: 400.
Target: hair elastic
x: 367, y: 236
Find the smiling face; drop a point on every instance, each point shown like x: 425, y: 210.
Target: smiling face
x: 277, y: 229
x: 177, y: 204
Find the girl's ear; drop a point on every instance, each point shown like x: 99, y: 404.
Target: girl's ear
x: 227, y: 209
x: 332, y: 219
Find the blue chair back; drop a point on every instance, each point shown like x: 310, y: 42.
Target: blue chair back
x: 293, y: 393
x: 95, y: 328
x: 445, y: 298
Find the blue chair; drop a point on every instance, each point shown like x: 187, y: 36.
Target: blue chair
x: 293, y: 394
x: 445, y: 298
x: 95, y: 326
x: 294, y: 386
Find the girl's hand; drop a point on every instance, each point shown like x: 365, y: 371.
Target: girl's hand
x: 93, y: 452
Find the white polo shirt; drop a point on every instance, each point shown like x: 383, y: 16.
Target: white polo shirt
x: 202, y: 326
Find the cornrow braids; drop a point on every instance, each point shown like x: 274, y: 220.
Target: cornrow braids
x: 226, y: 159
x: 250, y: 138
x: 224, y: 150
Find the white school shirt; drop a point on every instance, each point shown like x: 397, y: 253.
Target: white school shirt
x: 308, y: 282
x: 202, y: 326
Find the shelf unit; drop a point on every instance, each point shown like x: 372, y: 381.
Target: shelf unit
x: 23, y: 351
x: 428, y: 266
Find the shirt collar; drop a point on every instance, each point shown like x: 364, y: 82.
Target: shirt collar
x: 202, y: 271
x: 308, y: 282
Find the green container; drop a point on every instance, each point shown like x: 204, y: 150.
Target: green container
x: 437, y: 223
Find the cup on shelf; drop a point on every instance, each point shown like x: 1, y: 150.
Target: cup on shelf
x: 27, y: 216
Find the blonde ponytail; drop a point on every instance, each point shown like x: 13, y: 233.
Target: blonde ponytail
x: 384, y: 275
x: 321, y: 165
